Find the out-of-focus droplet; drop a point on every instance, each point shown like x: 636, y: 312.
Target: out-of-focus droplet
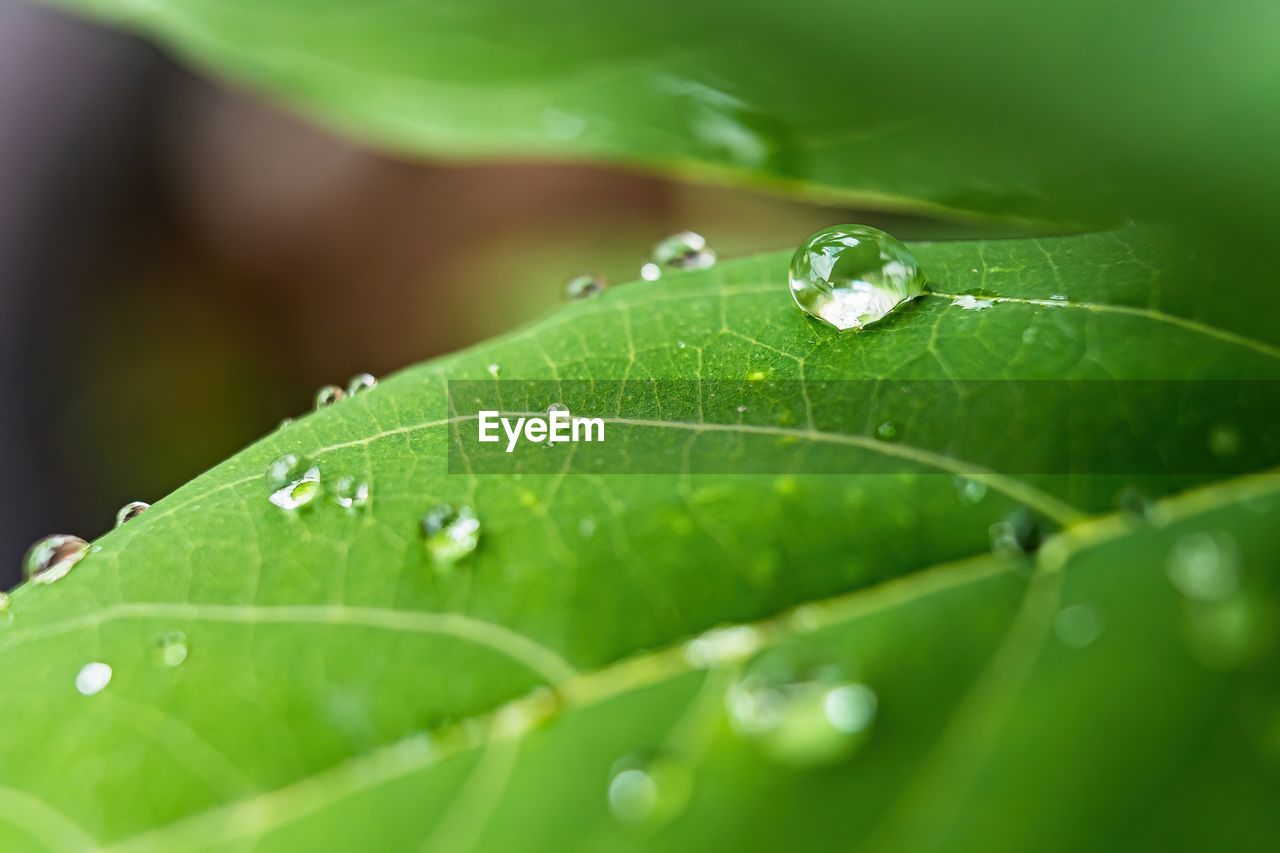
x: 851, y: 276
x: 52, y: 557
x: 1077, y: 625
x: 360, y: 383
x: 292, y: 481
x: 494, y: 370
x: 171, y: 648
x: 648, y: 791
x: 722, y: 646
x: 450, y: 532
x: 584, y: 286
x: 1205, y: 566
x: 328, y: 395
x: 1019, y: 533
x: 4, y: 605
x: 1133, y: 501
x: 969, y: 302
x: 970, y: 491
x: 130, y: 511
x: 683, y: 251
x: 93, y: 677
x: 350, y: 492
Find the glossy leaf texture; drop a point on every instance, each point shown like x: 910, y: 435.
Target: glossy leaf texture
x: 1036, y: 111
x: 341, y: 689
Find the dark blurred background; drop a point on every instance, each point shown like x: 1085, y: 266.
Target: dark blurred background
x: 181, y: 265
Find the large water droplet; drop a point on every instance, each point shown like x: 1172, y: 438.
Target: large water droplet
x: 584, y: 286
x: 350, y: 492
x: 360, y: 383
x: 1204, y: 566
x: 450, y: 532
x: 130, y: 511
x: 328, y: 395
x: 53, y: 556
x: 648, y: 790
x: 293, y: 481
x: 93, y: 677
x: 171, y: 648
x: 853, y: 275
x: 683, y: 251
x: 802, y: 720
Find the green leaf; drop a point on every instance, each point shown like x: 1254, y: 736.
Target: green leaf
x: 341, y: 689
x: 1069, y: 112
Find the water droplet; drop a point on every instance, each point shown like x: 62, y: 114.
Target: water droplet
x: 350, y: 492
x: 130, y: 511
x: 853, y: 275
x: 93, y: 677
x: 1019, y: 533
x: 681, y: 345
x: 52, y: 557
x: 584, y: 286
x: 293, y: 481
x: 802, y: 720
x: 4, y: 604
x: 1204, y: 566
x: 1133, y: 501
x: 683, y: 251
x: 1224, y: 440
x: 328, y: 395
x: 970, y: 491
x: 284, y: 422
x: 969, y: 302
x: 494, y: 370
x: 650, y: 272
x: 650, y: 790
x: 451, y: 532
x: 1077, y: 625
x: 887, y: 431
x: 1058, y: 297
x: 722, y: 646
x: 557, y: 407
x: 742, y: 410
x: 360, y: 383
x: 171, y: 648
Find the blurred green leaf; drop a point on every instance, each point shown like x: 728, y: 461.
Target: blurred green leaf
x: 341, y: 689
x: 1045, y: 110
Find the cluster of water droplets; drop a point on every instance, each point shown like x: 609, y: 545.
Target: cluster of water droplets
x: 358, y: 384
x: 294, y: 481
x: 683, y: 251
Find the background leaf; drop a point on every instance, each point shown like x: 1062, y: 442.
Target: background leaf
x: 341, y: 689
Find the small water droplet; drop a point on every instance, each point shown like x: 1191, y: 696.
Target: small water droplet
x: 360, y: 383
x: 284, y: 422
x: 1133, y: 501
x: 969, y: 302
x: 648, y: 790
x: 1019, y: 533
x: 1058, y: 297
x: 293, y: 481
x: 1077, y: 625
x: 802, y: 720
x: 681, y: 345
x: 584, y: 286
x: 52, y: 557
x: 93, y: 677
x: 171, y: 648
x: 722, y: 646
x: 970, y: 491
x: 350, y: 492
x: 742, y: 410
x: 1204, y: 566
x: 130, y: 511
x: 328, y: 395
x: 650, y: 272
x: 450, y: 532
x: 853, y: 275
x: 887, y: 431
x: 683, y: 251
x: 1224, y: 440
x: 494, y: 370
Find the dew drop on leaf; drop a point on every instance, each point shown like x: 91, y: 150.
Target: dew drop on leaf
x: 93, y: 677
x: 52, y: 557
x: 584, y: 286
x: 970, y: 491
x: 683, y: 251
x: 171, y: 648
x: 450, y: 532
x: 328, y: 395
x: 1019, y: 533
x: 1077, y: 625
x: 494, y: 370
x: 887, y: 431
x: 850, y: 276
x: 648, y: 790
x: 130, y: 511
x: 350, y: 492
x: 360, y: 383
x: 292, y: 481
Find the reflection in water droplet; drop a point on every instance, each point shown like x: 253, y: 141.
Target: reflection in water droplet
x: 853, y: 275
x: 360, y: 383
x: 52, y: 557
x: 93, y: 677
x: 450, y: 532
x: 969, y: 302
x: 350, y: 492
x: 292, y: 481
x: 648, y: 790
x: 584, y: 286
x: 1205, y: 566
x: 1019, y: 533
x: 1224, y: 440
x: 887, y: 431
x: 1077, y: 625
x: 683, y: 251
x: 130, y: 511
x: 970, y: 491
x: 722, y: 646
x: 171, y: 648
x: 328, y: 395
